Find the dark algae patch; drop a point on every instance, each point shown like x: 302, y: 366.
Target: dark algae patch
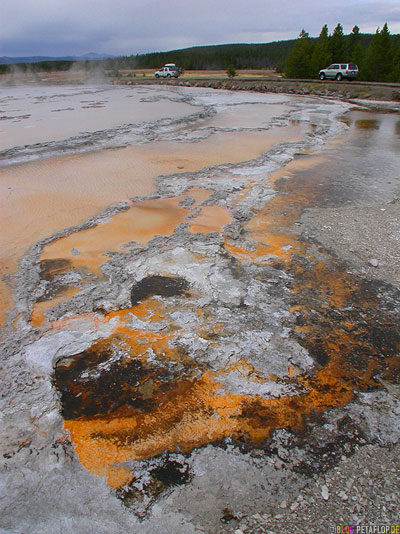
x: 49, y: 269
x: 172, y: 473
x: 163, y: 286
x: 163, y: 472
x: 110, y: 378
x: 91, y: 384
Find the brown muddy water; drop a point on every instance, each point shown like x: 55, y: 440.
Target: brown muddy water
x: 223, y: 320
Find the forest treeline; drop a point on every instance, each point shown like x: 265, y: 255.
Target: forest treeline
x: 217, y: 57
x: 379, y: 61
x: 377, y: 55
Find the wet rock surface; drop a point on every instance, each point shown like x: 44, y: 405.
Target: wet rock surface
x: 219, y: 381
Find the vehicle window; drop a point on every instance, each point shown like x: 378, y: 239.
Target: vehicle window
x: 352, y: 66
x: 335, y: 66
x: 343, y: 66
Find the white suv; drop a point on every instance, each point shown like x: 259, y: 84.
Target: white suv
x: 167, y: 71
x: 338, y: 71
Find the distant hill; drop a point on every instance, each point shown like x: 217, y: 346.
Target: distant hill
x: 4, y: 60
x: 240, y: 55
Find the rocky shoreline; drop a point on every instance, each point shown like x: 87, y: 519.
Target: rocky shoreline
x: 331, y: 89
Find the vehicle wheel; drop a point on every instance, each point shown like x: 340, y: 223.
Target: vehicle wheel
x: 339, y: 77
x: 322, y: 76
x: 157, y: 75
x: 168, y: 75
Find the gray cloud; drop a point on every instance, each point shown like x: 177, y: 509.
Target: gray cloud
x: 64, y: 27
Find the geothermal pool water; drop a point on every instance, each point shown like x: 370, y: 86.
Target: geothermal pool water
x: 167, y: 304
x: 45, y: 195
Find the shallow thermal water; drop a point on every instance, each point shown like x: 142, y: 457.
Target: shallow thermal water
x: 45, y: 195
x: 31, y: 115
x: 188, y: 329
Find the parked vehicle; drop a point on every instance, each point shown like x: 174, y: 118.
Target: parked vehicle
x: 169, y: 70
x: 338, y: 71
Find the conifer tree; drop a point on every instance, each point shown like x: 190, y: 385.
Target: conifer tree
x: 386, y: 54
x: 338, y: 44
x: 395, y: 74
x: 231, y: 71
x: 370, y: 71
x: 379, y: 57
x: 322, y: 52
x: 299, y: 61
x: 353, y: 44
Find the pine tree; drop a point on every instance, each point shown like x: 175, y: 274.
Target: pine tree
x: 355, y: 51
x: 231, y: 71
x: 299, y: 61
x: 395, y: 74
x: 322, y: 52
x: 371, y: 68
x: 338, y: 44
x: 353, y: 41
x: 379, y: 57
x: 386, y: 54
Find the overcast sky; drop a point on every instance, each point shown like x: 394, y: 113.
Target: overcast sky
x: 124, y: 27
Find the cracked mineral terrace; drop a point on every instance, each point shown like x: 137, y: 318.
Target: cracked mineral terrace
x: 192, y: 357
